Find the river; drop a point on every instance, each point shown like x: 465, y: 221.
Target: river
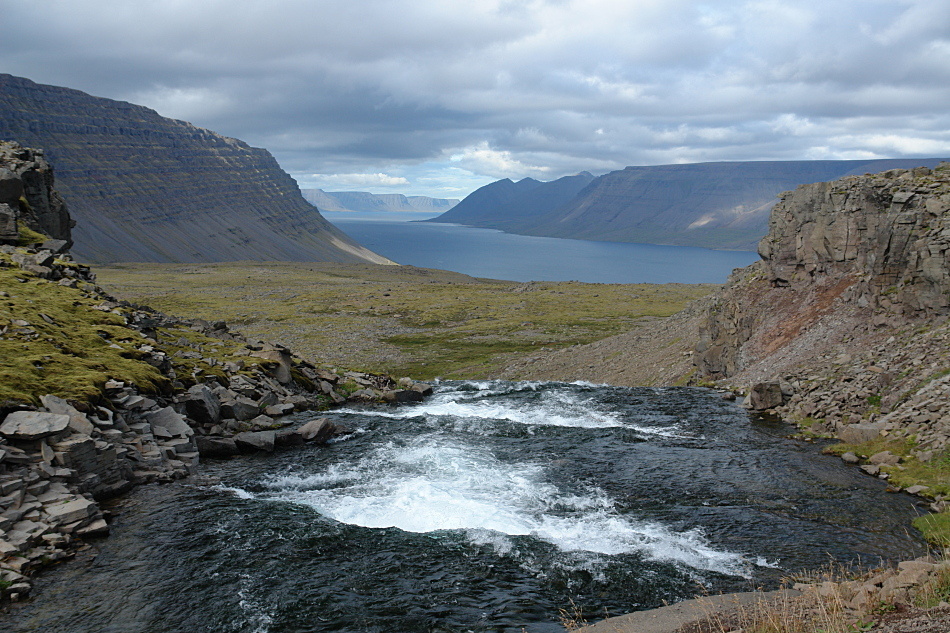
x: 488, y: 507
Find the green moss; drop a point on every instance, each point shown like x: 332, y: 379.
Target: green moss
x: 28, y: 236
x: 72, y: 354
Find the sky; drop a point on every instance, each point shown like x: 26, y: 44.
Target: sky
x: 439, y: 97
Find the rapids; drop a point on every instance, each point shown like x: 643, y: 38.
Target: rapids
x: 488, y: 507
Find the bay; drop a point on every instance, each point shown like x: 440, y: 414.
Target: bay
x: 498, y: 255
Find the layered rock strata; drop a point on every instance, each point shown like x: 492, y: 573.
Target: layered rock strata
x: 27, y: 196
x: 221, y: 395
x: 143, y: 187
x: 843, y: 326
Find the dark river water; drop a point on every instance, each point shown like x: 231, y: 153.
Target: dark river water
x: 488, y: 507
x: 497, y: 255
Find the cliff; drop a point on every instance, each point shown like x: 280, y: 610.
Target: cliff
x: 143, y: 187
x: 843, y: 326
x: 27, y: 196
x: 714, y: 205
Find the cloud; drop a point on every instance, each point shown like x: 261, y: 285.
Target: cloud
x: 438, y: 93
x: 361, y: 180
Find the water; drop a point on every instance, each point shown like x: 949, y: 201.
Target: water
x: 497, y: 255
x: 486, y: 508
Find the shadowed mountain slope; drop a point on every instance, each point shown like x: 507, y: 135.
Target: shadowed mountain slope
x: 715, y: 205
x: 143, y: 187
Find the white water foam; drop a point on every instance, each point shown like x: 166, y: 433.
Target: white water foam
x: 432, y: 484
x: 483, y: 401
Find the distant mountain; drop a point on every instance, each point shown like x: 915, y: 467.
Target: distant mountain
x: 363, y: 201
x: 722, y: 205
x: 143, y: 187
x: 507, y: 205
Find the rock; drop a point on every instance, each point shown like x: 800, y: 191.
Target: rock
x: 917, y: 489
x: 402, y: 395
x: 9, y: 232
x: 76, y: 509
x: 278, y: 410
x: 884, y: 458
x: 202, y: 405
x: 765, y: 395
x: 859, y: 433
x: 288, y: 437
x: 319, y: 431
x: 423, y: 388
x: 168, y: 423
x: 850, y: 458
x: 33, y: 425
x: 871, y: 469
x: 209, y: 446
x: 256, y: 441
x: 242, y: 408
x: 77, y: 421
x: 282, y: 370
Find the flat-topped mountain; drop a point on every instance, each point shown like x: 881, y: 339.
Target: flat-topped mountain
x: 365, y: 201
x: 715, y: 205
x: 143, y: 187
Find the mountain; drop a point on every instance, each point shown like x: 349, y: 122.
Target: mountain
x: 714, y: 205
x: 508, y: 205
x: 364, y: 201
x: 142, y: 187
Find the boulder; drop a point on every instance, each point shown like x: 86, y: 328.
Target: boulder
x: 210, y: 446
x: 77, y: 421
x: 319, y: 431
x: 33, y: 425
x: 278, y: 410
x: 168, y: 423
x: 241, y: 408
x: 765, y: 395
x: 859, y: 433
x: 288, y: 437
x: 256, y: 441
x: 202, y: 405
x: 281, y: 369
x: 403, y: 395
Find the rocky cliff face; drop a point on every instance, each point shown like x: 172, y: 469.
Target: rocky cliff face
x: 847, y: 313
x: 147, y: 188
x: 27, y: 196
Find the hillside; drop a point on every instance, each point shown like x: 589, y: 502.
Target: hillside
x: 143, y: 187
x: 375, y: 202
x: 506, y: 205
x: 722, y: 205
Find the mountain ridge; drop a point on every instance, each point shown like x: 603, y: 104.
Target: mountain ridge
x: 722, y: 205
x: 143, y: 187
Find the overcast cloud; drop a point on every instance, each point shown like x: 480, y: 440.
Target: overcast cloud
x: 436, y: 97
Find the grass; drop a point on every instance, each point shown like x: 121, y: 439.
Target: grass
x: 397, y: 319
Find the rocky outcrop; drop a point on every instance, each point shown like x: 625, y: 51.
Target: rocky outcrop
x: 143, y: 187
x: 868, y: 250
x: 27, y: 196
x: 847, y: 312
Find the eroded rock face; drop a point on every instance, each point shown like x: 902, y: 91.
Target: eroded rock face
x: 27, y: 195
x: 860, y: 252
